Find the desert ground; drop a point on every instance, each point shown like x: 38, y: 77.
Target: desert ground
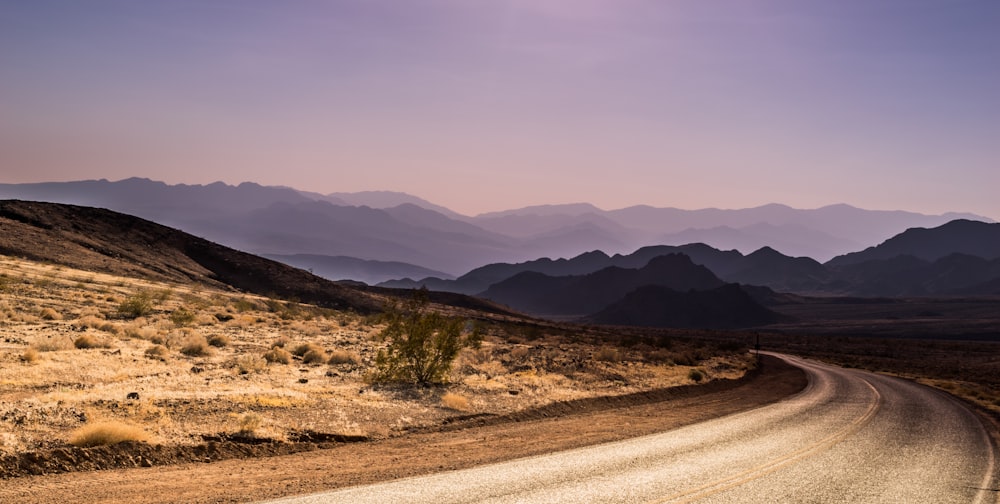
x: 103, y: 377
x: 86, y: 358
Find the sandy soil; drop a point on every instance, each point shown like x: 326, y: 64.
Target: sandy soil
x: 446, y: 448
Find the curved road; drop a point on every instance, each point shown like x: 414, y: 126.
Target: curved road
x: 850, y: 436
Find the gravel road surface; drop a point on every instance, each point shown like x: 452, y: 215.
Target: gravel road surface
x: 850, y: 436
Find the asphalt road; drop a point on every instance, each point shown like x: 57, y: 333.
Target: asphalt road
x: 850, y: 436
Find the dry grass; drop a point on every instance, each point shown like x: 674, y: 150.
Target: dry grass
x: 185, y: 398
x: 31, y: 355
x: 159, y: 352
x: 278, y: 355
x: 455, y: 401
x: 87, y: 341
x: 107, y: 433
x: 218, y: 340
x: 343, y: 357
x: 195, y: 345
x: 315, y: 356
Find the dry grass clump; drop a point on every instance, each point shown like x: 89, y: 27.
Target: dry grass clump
x: 55, y: 344
x: 455, y: 401
x: 218, y: 340
x: 277, y: 355
x: 49, y: 314
x: 248, y: 364
x: 100, y: 324
x: 315, y: 356
x: 608, y: 354
x: 339, y: 357
x: 139, y: 331
x: 159, y: 352
x: 87, y: 341
x: 195, y: 345
x: 107, y: 433
x: 304, y: 348
x: 30, y: 355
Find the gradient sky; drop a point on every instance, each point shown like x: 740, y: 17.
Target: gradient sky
x: 489, y: 105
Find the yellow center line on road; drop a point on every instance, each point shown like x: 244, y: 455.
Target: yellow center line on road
x: 759, y: 471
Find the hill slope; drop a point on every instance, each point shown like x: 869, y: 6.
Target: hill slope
x: 101, y: 240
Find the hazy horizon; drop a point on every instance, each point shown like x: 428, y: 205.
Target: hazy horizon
x: 485, y: 107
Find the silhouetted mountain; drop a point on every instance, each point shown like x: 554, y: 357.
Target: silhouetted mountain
x: 906, y: 275
x: 342, y: 267
x: 793, y: 238
x: 579, y: 295
x: 770, y: 268
x: 960, y: 236
x: 726, y: 307
x: 731, y: 266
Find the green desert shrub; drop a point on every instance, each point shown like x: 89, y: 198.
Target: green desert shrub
x: 696, y: 375
x: 137, y: 305
x: 422, y: 344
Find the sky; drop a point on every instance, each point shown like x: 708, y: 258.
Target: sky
x: 496, y: 104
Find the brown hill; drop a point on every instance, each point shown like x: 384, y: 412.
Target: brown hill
x: 110, y: 242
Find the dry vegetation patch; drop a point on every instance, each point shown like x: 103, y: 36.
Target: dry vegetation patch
x: 184, y: 364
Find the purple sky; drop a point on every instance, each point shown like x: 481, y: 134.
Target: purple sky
x: 488, y: 105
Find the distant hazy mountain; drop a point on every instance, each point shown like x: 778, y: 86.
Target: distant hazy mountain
x: 726, y: 307
x: 395, y: 227
x: 351, y: 268
x: 579, y: 295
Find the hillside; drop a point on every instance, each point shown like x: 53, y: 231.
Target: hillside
x: 103, y: 241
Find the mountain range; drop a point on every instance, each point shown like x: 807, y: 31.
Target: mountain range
x: 961, y: 257
x: 396, y: 234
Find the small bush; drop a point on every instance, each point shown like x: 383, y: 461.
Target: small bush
x: 107, y: 433
x: 315, y: 356
x: 696, y: 375
x: 303, y: 349
x: 157, y: 352
x: 278, y: 355
x: 89, y: 341
x: 195, y: 346
x: 455, y: 401
x: 218, y: 340
x: 248, y: 425
x: 249, y: 364
x: 49, y: 314
x: 181, y: 317
x: 608, y: 354
x: 135, y: 306
x: 422, y: 344
x: 338, y: 357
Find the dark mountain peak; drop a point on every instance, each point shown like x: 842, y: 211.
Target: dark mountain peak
x: 725, y: 307
x: 958, y: 236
